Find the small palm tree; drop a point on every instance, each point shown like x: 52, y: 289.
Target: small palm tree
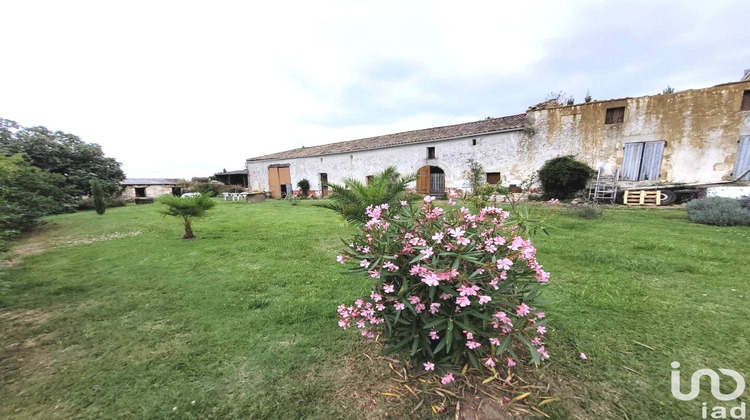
x: 187, y: 208
x: 352, y: 198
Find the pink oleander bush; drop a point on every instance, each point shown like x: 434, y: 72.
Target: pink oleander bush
x: 449, y: 287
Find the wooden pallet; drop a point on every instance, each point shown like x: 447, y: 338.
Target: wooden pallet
x: 642, y: 198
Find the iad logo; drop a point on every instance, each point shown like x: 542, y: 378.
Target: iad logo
x: 718, y: 412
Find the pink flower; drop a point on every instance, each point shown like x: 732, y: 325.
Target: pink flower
x: 376, y: 297
x: 434, y: 307
x: 511, y: 362
x: 469, y: 336
x: 388, y: 288
x: 374, y: 274
x: 494, y: 341
x: 438, y: 237
x: 504, y: 264
x: 445, y: 296
x: 462, y: 241
x: 364, y: 263
x: 583, y: 356
x: 419, y: 307
x: 426, y: 253
x: 399, y: 306
x: 414, y: 300
x: 390, y: 266
x: 429, y: 366
x: 434, y: 335
x: 541, y: 330
x: 451, y: 202
x: 457, y: 232
x: 342, y: 259
x: 448, y: 378
x: 431, y: 280
x: 404, y: 203
x: 463, y: 301
x: 429, y: 199
x: 380, y: 307
x: 473, y: 344
x: 468, y: 290
x: 518, y: 242
x: 490, y: 362
x: 484, y: 299
x: 540, y: 315
x: 522, y: 309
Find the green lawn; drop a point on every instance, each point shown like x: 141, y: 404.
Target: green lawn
x: 242, y: 321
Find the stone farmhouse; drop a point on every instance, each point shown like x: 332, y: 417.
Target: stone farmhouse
x: 139, y: 188
x: 698, y: 136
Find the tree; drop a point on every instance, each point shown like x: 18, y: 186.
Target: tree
x: 304, y: 186
x: 187, y: 208
x: 98, y: 195
x: 63, y: 154
x: 352, y: 198
x: 26, y: 194
x: 563, y: 176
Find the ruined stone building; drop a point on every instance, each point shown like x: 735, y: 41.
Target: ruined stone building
x: 686, y: 137
x: 149, y: 187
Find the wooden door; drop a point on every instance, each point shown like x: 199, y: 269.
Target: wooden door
x: 273, y: 182
x: 423, y: 180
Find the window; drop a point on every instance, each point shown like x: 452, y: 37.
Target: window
x: 473, y: 142
x: 493, y: 178
x: 430, y: 153
x: 742, y: 163
x: 370, y: 178
x: 642, y: 161
x: 615, y: 115
x: 745, y: 101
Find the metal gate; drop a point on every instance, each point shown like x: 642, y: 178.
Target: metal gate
x: 437, y: 183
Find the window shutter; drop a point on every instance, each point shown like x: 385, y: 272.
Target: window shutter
x: 631, y: 161
x: 651, y: 163
x: 742, y: 163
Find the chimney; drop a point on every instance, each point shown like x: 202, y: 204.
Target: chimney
x: 746, y: 76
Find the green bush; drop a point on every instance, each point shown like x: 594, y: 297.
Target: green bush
x: 27, y: 193
x: 562, y: 177
x: 449, y: 288
x: 586, y: 211
x: 304, y: 186
x: 353, y: 197
x: 98, y: 196
x: 212, y: 189
x: 718, y: 211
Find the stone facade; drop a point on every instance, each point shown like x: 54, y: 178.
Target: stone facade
x: 700, y: 130
x: 149, y: 187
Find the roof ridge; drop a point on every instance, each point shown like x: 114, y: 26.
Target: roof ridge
x: 311, y: 149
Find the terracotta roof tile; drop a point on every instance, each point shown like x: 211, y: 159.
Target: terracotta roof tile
x: 428, y: 134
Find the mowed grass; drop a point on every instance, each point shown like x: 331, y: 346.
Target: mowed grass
x: 242, y: 320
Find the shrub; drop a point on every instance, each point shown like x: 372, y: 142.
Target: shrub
x: 304, y: 186
x: 585, y: 210
x: 745, y: 201
x: 187, y: 208
x: 450, y: 287
x: 98, y: 196
x: 27, y: 193
x: 352, y: 198
x: 562, y: 177
x: 719, y: 211
x: 212, y: 189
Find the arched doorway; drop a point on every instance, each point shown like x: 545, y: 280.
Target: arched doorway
x: 431, y: 180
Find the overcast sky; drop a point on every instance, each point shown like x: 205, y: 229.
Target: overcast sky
x: 182, y: 89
